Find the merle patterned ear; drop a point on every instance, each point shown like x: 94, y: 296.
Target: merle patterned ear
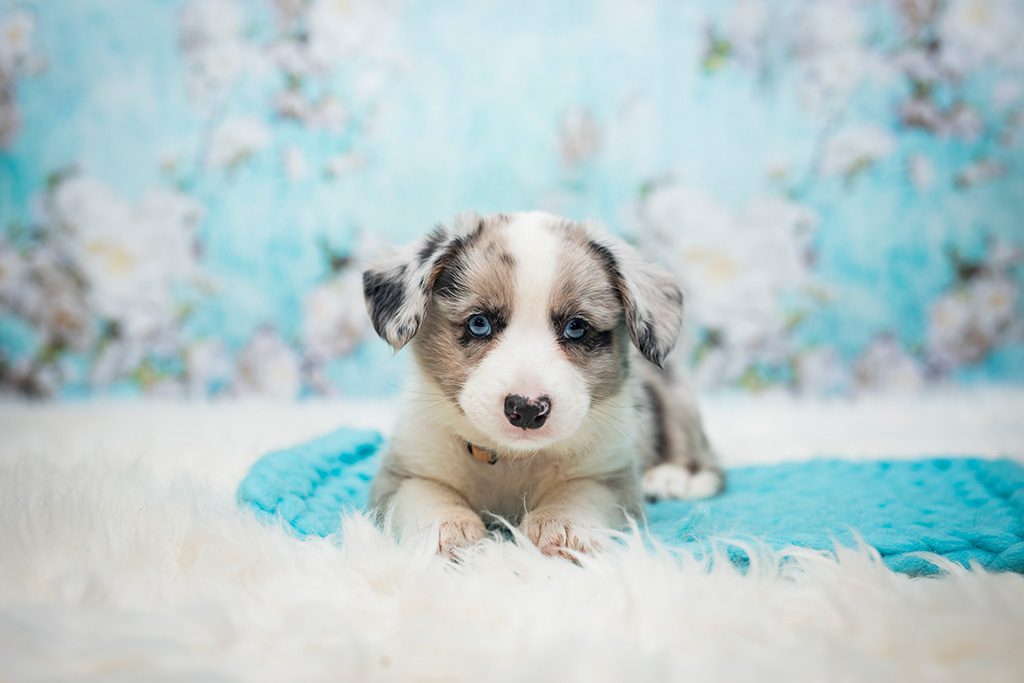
x: 397, y: 288
x: 651, y: 299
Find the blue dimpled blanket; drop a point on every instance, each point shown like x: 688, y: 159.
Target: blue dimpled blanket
x: 964, y: 509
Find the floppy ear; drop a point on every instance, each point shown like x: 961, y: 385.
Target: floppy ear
x: 651, y: 299
x: 398, y: 287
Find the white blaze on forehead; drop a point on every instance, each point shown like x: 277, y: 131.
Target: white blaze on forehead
x: 526, y: 359
x: 534, y: 246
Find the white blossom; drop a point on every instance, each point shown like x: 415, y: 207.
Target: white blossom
x: 922, y: 171
x: 12, y: 271
x: 827, y: 39
x: 236, y: 140
x: 207, y: 366
x: 296, y: 167
x: 334, y: 317
x: 16, y: 32
x: 993, y: 300
x: 975, y: 32
x: 965, y: 323
x: 339, y: 29
x: 330, y: 115
x: 116, y: 360
x: 51, y: 298
x: 131, y: 257
x: 821, y: 371
x: 579, y: 137
x: 737, y: 269
x: 1007, y: 92
x: 885, y: 366
x: 269, y: 367
x: 747, y: 27
x: 212, y: 40
x: 342, y: 164
x: 854, y: 148
x: 979, y: 172
x: 952, y: 339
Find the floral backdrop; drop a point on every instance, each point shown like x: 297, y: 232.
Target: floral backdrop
x: 187, y: 188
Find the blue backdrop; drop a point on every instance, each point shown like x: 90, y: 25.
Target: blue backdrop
x: 186, y: 188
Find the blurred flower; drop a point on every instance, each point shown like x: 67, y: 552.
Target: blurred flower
x: 339, y: 29
x: 964, y: 121
x: 922, y: 112
x: 922, y: 171
x: 52, y: 297
x: 831, y: 25
x: 976, y: 315
x: 738, y: 269
x: 327, y: 113
x: 295, y: 165
x: 959, y: 120
x: 821, y: 371
x: 718, y: 366
x: 823, y: 42
x: 579, y: 137
x: 269, y: 367
x: 235, y: 140
x: 1002, y: 256
x: 952, y: 337
x: 920, y: 65
x: 885, y: 366
x: 993, y: 300
x: 16, y: 31
x: 831, y: 54
x: 130, y: 257
x: 9, y: 119
x: 747, y: 28
x: 975, y: 32
x: 342, y: 164
x: 1007, y: 92
x: 12, y: 271
x: 334, y: 317
x: 292, y: 104
x: 116, y: 360
x: 211, y: 35
x: 979, y: 172
x: 40, y: 287
x: 16, y: 59
x: 208, y: 367
x: 917, y: 13
x: 856, y: 148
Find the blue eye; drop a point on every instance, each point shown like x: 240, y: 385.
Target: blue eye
x: 479, y: 325
x: 575, y: 329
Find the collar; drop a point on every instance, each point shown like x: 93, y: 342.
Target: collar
x: 481, y: 454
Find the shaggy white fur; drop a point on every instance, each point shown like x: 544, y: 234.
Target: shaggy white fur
x: 124, y: 557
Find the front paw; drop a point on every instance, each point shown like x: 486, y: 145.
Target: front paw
x: 561, y: 535
x: 457, y: 531
x: 669, y: 481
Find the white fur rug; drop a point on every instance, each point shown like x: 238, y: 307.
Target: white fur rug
x: 123, y: 558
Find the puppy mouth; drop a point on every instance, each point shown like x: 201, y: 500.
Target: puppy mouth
x: 519, y: 438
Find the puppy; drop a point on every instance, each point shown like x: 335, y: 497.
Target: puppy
x: 537, y: 394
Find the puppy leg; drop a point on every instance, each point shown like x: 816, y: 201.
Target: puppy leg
x: 422, y: 508
x: 679, y: 462
x: 575, y: 515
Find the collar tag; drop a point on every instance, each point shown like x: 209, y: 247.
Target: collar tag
x: 480, y: 454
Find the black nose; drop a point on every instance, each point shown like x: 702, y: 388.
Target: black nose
x: 522, y: 412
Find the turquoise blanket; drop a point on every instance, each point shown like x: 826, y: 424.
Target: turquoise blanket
x: 964, y: 509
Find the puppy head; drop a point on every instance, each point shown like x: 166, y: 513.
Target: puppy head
x: 524, y: 320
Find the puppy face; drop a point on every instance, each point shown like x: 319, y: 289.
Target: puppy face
x: 524, y: 320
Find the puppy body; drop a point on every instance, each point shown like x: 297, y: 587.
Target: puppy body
x: 537, y: 342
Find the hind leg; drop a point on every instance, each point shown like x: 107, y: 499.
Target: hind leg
x: 679, y: 462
